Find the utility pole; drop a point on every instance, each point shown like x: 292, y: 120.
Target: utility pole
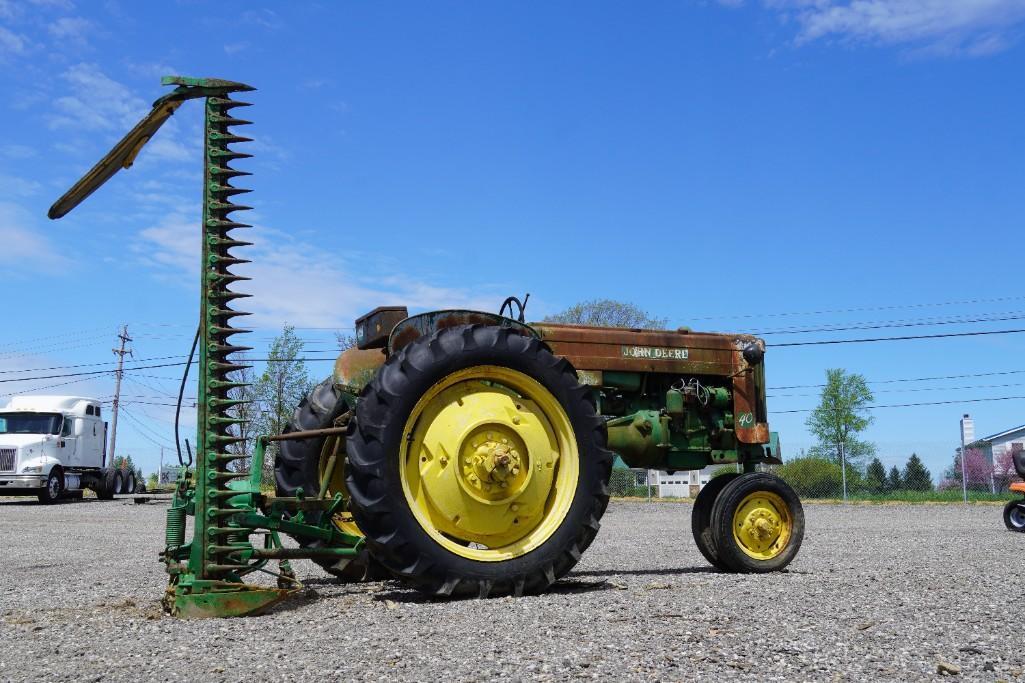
x: 120, y: 353
x: 160, y: 472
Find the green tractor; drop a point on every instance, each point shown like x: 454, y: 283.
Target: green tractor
x: 467, y: 453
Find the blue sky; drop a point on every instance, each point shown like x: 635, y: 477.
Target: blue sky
x: 738, y: 166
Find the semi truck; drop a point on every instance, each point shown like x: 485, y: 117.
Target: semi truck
x: 56, y: 446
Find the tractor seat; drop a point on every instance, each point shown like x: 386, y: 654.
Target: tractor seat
x: 1019, y: 463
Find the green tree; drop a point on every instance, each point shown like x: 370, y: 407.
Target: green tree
x: 916, y: 477
x: 842, y: 415
x: 283, y: 384
x: 152, y: 482
x: 815, y: 477
x: 248, y: 411
x: 875, y: 476
x: 608, y: 313
x: 894, y: 482
x: 124, y: 462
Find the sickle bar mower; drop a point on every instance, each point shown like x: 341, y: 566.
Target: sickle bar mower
x: 206, y: 574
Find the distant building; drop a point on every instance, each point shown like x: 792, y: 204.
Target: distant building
x: 994, y: 445
x: 686, y: 483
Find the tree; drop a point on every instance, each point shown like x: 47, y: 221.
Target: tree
x: 608, y: 313
x: 916, y: 477
x: 875, y: 476
x: 1003, y: 469
x: 893, y: 481
x: 842, y: 415
x: 345, y: 341
x: 124, y: 462
x: 248, y: 412
x: 815, y: 477
x: 977, y: 467
x: 283, y: 384
x: 152, y: 482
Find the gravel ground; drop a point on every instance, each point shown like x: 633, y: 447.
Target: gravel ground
x: 877, y: 593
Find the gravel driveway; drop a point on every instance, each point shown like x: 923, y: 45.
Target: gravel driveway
x: 877, y: 593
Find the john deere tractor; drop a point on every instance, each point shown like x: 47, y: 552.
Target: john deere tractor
x: 467, y: 453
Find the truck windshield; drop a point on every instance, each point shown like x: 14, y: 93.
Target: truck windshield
x: 30, y: 423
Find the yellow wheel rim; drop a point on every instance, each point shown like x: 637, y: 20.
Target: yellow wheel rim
x: 762, y: 525
x: 489, y: 463
x: 342, y: 520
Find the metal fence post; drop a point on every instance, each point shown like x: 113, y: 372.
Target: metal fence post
x: 964, y: 469
x: 843, y: 470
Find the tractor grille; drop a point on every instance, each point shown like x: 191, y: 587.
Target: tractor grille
x: 7, y: 459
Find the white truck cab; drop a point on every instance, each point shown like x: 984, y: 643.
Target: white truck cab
x: 50, y: 445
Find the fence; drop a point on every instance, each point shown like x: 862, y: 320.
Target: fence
x: 834, y: 474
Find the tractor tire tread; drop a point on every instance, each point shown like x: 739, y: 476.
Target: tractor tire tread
x: 381, y: 510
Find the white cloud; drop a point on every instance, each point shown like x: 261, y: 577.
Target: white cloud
x: 973, y: 27
x: 17, y: 152
x: 25, y: 248
x: 12, y: 187
x: 12, y: 43
x: 296, y: 282
x: 71, y: 29
x: 97, y: 102
x: 234, y: 48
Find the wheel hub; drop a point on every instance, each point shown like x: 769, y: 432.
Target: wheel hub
x: 483, y: 465
x: 761, y: 525
x: 496, y: 465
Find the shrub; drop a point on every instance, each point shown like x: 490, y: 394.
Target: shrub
x: 819, y: 478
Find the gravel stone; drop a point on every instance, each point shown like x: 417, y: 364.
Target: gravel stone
x: 877, y: 593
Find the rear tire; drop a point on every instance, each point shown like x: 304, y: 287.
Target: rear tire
x: 412, y: 540
x: 105, y: 486
x: 757, y: 524
x: 701, y: 518
x: 297, y: 465
x: 54, y: 486
x: 129, y: 482
x: 1014, y: 515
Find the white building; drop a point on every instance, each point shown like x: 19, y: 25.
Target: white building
x: 994, y: 445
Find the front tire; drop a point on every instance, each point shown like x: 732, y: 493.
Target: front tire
x: 54, y: 486
x: 757, y: 524
x: 1014, y: 515
x: 701, y: 518
x: 129, y: 482
x: 478, y: 465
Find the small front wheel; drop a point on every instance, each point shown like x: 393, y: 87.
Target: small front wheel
x: 757, y: 524
x: 701, y: 518
x: 1014, y: 515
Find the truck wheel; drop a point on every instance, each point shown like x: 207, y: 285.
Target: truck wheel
x: 129, y: 482
x: 298, y: 464
x: 106, y: 484
x: 1014, y: 515
x: 757, y: 523
x: 701, y: 518
x: 477, y: 464
x: 54, y: 486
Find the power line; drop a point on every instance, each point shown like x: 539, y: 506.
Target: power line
x: 904, y: 338
x: 907, y: 379
x: 912, y: 405
x: 860, y: 309
x: 902, y: 391
x: 888, y: 324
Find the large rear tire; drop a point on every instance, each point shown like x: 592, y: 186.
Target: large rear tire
x: 477, y: 465
x: 298, y: 465
x: 129, y: 482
